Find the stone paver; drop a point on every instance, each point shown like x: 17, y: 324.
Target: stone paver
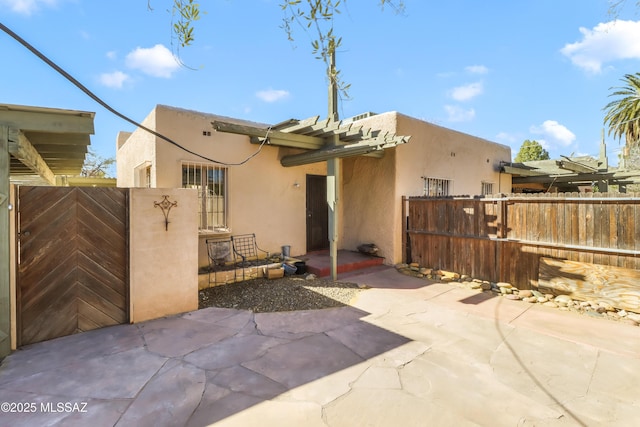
x: 406, y: 353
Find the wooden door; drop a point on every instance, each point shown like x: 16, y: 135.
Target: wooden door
x: 317, y: 213
x: 72, y: 273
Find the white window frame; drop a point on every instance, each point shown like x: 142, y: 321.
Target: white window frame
x: 212, y: 183
x: 437, y: 187
x: 142, y: 175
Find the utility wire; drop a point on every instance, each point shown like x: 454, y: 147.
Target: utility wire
x: 112, y: 110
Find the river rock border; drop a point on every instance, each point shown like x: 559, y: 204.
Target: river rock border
x: 592, y: 308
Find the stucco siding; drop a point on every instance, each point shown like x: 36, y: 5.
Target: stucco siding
x: 443, y: 153
x: 368, y: 195
x: 263, y: 197
x: 432, y: 151
x: 135, y: 151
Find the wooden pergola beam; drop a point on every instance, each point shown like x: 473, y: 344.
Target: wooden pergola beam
x: 284, y: 139
x: 21, y: 148
x: 575, y: 166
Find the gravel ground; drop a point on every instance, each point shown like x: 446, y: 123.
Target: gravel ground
x: 287, y: 294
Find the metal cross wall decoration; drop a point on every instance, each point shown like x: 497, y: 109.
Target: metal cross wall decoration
x: 166, y: 206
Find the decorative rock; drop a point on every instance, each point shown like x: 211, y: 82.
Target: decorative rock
x: 504, y: 285
x: 593, y: 313
x: 450, y: 274
x: 512, y: 297
x: 401, y: 266
x: 542, y: 299
x: 475, y: 285
x: 485, y: 286
x: 550, y: 304
x: 531, y: 299
x: 414, y: 268
x: 564, y: 298
x: 606, y: 306
x: 585, y: 304
x: 622, y: 313
x: 633, y: 316
x: 414, y: 264
x: 310, y: 276
x: 525, y: 293
x: 446, y: 279
x: 601, y: 310
x: 504, y: 290
x: 425, y: 271
x: 537, y: 294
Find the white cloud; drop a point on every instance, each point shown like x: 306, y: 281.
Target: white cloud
x: 112, y: 54
x: 458, y: 114
x: 477, y: 69
x: 272, y: 95
x: 114, y: 80
x: 157, y: 61
x: 506, y: 137
x: 606, y: 42
x: 27, y: 7
x: 467, y: 92
x: 554, y: 131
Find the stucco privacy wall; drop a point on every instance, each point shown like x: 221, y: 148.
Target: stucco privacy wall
x: 264, y: 197
x: 163, y: 262
x: 373, y: 188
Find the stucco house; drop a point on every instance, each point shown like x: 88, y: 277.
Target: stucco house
x: 245, y: 188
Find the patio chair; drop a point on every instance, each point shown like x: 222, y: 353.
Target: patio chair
x: 246, y: 252
x: 219, y: 252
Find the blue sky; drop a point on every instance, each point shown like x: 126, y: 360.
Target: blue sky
x: 505, y: 71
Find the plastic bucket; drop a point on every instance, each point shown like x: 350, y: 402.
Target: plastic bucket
x: 286, y: 251
x: 301, y: 267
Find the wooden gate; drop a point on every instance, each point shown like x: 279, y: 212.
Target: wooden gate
x: 72, y: 273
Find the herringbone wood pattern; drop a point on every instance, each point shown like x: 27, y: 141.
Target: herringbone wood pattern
x: 73, y: 263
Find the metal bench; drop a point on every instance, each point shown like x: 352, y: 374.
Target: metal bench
x: 246, y: 252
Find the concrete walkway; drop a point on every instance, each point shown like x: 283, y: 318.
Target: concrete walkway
x: 406, y: 353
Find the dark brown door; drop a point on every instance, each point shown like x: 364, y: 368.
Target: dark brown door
x: 72, y: 273
x: 317, y: 213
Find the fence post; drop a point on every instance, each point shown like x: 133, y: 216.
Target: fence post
x: 501, y: 233
x: 404, y: 228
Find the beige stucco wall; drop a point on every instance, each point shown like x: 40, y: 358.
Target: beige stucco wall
x: 264, y: 197
x: 134, y: 150
x: 432, y: 151
x: 439, y: 152
x: 368, y: 199
x: 163, y: 263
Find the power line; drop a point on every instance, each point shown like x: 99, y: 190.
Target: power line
x: 112, y: 110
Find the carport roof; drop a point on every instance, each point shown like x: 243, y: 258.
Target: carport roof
x: 46, y: 141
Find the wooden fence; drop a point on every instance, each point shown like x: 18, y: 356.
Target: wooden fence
x: 503, y: 238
